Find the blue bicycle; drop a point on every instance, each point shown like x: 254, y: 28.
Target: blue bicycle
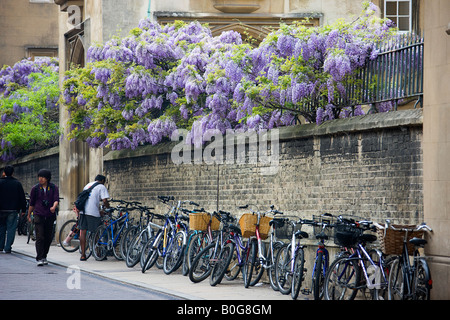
x: 321, y: 229
x: 107, y: 236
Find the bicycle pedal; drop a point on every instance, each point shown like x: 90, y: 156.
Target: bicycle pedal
x: 306, y: 291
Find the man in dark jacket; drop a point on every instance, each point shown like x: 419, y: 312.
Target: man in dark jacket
x: 12, y: 202
x: 44, y: 199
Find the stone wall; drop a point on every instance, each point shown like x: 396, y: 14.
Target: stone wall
x: 368, y: 166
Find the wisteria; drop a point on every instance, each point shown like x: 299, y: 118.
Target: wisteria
x: 29, y: 107
x: 139, y: 89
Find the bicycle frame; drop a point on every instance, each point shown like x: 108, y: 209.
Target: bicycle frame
x: 110, y: 231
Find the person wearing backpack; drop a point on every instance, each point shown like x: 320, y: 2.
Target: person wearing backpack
x: 44, y: 199
x: 90, y: 217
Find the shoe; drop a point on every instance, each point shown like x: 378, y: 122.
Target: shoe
x: 45, y: 262
x: 83, y: 258
x: 40, y: 263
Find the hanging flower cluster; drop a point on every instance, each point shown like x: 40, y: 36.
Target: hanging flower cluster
x: 29, y: 109
x: 139, y: 89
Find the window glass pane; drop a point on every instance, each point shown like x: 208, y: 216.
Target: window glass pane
x: 403, y: 8
x: 393, y: 19
x: 403, y: 24
x: 391, y: 8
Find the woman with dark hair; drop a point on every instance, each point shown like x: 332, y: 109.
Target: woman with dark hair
x: 44, y: 199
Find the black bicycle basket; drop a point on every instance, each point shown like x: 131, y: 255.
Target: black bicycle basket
x: 346, y: 235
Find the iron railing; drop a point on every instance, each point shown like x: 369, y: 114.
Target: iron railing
x: 395, y: 75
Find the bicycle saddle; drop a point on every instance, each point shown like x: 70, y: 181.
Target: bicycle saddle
x: 418, y: 242
x: 301, y: 234
x: 366, y: 237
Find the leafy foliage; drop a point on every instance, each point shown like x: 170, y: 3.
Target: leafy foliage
x: 29, y: 109
x: 141, y: 88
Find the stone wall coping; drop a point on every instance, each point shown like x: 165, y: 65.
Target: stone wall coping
x: 378, y: 121
x: 33, y: 156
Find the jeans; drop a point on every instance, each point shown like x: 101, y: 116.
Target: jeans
x: 44, y: 235
x: 8, y: 226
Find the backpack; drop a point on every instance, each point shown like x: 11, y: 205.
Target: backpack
x: 83, y: 196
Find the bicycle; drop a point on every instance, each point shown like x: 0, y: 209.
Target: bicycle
x: 215, y: 256
x: 355, y: 270
x: 134, y: 252
x: 132, y: 231
x: 322, y: 260
x: 107, y: 235
x: 170, y: 240
x: 410, y: 281
x: 290, y: 262
x: 256, y: 226
x: 202, y: 230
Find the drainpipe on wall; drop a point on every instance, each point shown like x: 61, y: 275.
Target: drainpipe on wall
x: 149, y: 9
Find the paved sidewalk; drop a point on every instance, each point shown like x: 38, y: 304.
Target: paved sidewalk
x: 175, y: 284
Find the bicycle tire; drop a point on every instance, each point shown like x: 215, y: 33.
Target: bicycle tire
x: 65, y: 230
x: 318, y: 277
x: 150, y: 253
x: 128, y: 236
x: 174, y: 254
x: 99, y: 250
x: 422, y: 281
x: 396, y: 280
x: 272, y: 270
x: 283, y: 273
x: 297, y: 276
x: 201, y: 266
x: 222, y: 264
x: 258, y: 266
x: 234, y: 268
x: 249, y: 262
x: 134, y: 250
x: 342, y: 279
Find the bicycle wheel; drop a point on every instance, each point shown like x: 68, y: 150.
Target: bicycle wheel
x: 258, y: 266
x: 150, y: 252
x: 297, y: 276
x: 127, y: 238
x: 221, y: 264
x: 422, y: 280
x: 135, y: 249
x: 174, y: 254
x: 201, y: 266
x: 69, y: 228
x: 198, y: 242
x: 249, y: 262
x: 99, y: 243
x: 342, y: 279
x: 234, y: 268
x: 272, y: 270
x: 319, y: 276
x: 283, y: 269
x: 396, y: 281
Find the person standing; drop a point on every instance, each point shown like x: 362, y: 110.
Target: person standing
x: 44, y: 199
x: 12, y: 202
x: 90, y: 218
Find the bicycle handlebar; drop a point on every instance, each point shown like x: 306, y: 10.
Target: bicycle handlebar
x: 388, y: 225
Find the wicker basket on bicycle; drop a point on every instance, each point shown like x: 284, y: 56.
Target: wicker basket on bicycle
x: 199, y: 221
x: 248, y: 225
x: 391, y: 241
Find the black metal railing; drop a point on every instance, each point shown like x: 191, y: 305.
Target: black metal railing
x: 395, y: 75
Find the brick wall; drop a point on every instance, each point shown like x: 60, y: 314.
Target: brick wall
x: 367, y: 166
x: 27, y: 168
